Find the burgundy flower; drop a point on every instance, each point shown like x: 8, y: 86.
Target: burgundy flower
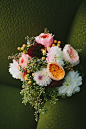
x: 56, y: 83
x: 35, y: 50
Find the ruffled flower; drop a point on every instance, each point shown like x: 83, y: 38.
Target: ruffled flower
x: 14, y: 70
x: 55, y: 55
x: 70, y: 55
x: 23, y: 60
x: 55, y: 71
x: 35, y: 50
x: 45, y: 39
x: 71, y: 84
x: 42, y: 78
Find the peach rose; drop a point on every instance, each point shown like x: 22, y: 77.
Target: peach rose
x: 45, y: 39
x: 70, y: 55
x: 55, y: 71
x: 23, y: 60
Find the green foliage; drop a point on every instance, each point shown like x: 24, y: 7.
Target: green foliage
x: 44, y: 110
x: 32, y: 94
x: 36, y: 64
x: 37, y: 96
x: 53, y: 93
x: 30, y: 40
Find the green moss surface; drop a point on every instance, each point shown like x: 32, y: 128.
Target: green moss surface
x: 77, y: 33
x: 14, y: 114
x: 20, y: 18
x: 68, y: 113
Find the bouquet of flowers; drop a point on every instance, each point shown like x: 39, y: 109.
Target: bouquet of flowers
x: 47, y: 69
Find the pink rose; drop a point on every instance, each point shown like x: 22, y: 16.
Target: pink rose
x: 70, y: 55
x: 45, y: 39
x: 23, y: 60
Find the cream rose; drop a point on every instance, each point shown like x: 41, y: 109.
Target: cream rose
x: 70, y: 55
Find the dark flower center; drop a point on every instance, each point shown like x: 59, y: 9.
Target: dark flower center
x: 40, y: 77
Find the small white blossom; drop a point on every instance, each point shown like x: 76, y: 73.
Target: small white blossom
x: 41, y: 77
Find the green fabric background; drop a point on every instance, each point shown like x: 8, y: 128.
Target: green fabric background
x: 69, y: 113
x: 77, y: 33
x: 14, y: 114
x: 20, y: 18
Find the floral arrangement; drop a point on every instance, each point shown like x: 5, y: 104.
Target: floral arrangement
x: 47, y: 69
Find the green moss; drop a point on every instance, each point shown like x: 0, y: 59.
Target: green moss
x: 67, y: 113
x: 77, y: 34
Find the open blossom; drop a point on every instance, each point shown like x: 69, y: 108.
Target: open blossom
x: 35, y: 50
x: 55, y: 55
x: 23, y: 60
x: 55, y: 71
x: 71, y: 84
x: 41, y: 77
x: 70, y: 55
x: 45, y: 39
x: 14, y: 70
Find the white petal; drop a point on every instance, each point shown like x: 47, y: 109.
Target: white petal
x: 71, y: 84
x: 14, y: 70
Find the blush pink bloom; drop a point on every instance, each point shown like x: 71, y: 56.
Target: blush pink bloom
x: 45, y: 39
x: 23, y: 60
x: 70, y: 55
